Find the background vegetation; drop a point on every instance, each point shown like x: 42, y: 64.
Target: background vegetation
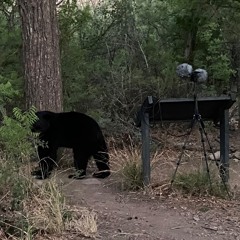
x: 115, y: 53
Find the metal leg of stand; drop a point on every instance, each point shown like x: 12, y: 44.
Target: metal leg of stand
x: 145, y: 148
x: 183, y: 149
x: 220, y: 166
x: 201, y: 130
x: 224, y: 145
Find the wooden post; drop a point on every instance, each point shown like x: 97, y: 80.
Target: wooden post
x: 145, y: 148
x: 224, y: 145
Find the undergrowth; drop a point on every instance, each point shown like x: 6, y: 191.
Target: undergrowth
x: 127, y: 175
x: 29, y: 208
x: 127, y: 167
x: 200, y: 183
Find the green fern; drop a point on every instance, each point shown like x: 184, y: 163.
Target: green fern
x: 16, y: 137
x: 26, y: 118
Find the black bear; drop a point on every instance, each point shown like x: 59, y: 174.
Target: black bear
x: 70, y: 130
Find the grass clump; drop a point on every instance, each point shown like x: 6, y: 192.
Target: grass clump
x: 82, y: 221
x: 127, y: 168
x: 47, y: 213
x: 45, y: 209
x: 132, y: 174
x: 197, y: 183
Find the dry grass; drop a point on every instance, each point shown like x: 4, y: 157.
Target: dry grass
x: 82, y: 221
x: 47, y: 213
x: 46, y: 209
x: 40, y: 210
x: 126, y: 166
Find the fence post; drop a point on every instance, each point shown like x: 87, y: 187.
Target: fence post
x: 224, y: 145
x: 145, y: 148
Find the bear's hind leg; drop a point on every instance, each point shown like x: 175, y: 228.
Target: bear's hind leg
x: 102, y: 162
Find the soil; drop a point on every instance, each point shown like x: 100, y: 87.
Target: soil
x: 135, y: 216
x: 146, y: 214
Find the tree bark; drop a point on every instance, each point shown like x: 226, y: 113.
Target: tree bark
x: 236, y: 66
x: 41, y: 54
x: 190, y: 46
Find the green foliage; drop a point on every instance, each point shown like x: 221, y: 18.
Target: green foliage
x: 16, y: 149
x: 26, y: 118
x: 15, y: 133
x: 15, y: 143
x: 214, y: 56
x: 10, y: 48
x: 38, y: 207
x: 7, y: 94
x: 117, y: 52
x: 132, y: 173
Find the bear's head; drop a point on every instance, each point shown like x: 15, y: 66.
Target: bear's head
x: 43, y: 121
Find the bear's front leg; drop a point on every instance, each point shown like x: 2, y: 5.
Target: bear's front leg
x: 47, y: 161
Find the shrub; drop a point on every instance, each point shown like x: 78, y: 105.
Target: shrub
x: 199, y: 183
x: 127, y: 168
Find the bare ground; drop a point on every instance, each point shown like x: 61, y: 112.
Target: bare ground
x: 137, y: 216
x: 143, y: 215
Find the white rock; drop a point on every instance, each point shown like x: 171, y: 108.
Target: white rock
x: 236, y: 160
x: 236, y: 155
x: 217, y: 156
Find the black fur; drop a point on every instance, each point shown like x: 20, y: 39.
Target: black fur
x: 70, y: 130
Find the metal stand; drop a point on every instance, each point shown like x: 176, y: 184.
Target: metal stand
x: 197, y: 119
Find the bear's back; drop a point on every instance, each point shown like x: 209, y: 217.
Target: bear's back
x: 71, y: 128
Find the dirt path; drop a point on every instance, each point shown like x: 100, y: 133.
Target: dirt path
x: 130, y: 216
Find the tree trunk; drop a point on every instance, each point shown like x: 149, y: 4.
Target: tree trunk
x: 236, y: 78
x: 41, y: 54
x: 190, y: 46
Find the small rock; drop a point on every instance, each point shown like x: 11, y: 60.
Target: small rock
x: 196, y: 218
x: 213, y: 228
x: 236, y: 155
x: 236, y: 160
x: 216, y: 154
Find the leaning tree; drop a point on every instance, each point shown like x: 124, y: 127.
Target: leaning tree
x: 41, y: 54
